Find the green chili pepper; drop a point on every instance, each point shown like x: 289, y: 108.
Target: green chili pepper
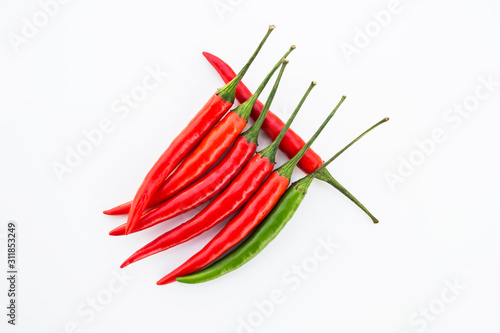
x: 268, y: 229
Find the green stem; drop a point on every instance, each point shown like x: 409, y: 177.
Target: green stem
x: 324, y: 165
x: 228, y: 91
x: 245, y: 108
x: 286, y: 169
x: 325, y: 176
x: 270, y: 151
x: 320, y: 173
x: 252, y: 133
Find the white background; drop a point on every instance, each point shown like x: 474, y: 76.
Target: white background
x: 438, y: 224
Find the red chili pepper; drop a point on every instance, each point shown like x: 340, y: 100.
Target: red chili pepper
x: 212, y: 146
x: 208, y: 151
x: 228, y: 202
x: 254, y: 211
x: 217, y: 179
x: 186, y: 141
x: 292, y: 142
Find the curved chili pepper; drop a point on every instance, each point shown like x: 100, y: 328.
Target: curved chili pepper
x: 217, y: 179
x: 254, y: 211
x: 187, y: 140
x: 292, y: 142
x: 208, y: 151
x: 228, y: 202
x: 268, y: 229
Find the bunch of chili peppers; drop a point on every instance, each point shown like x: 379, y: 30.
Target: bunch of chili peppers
x: 213, y: 159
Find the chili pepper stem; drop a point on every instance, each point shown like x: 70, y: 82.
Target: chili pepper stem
x: 303, y: 184
x: 326, y: 176
x: 286, y: 169
x: 313, y: 174
x: 228, y: 91
x: 270, y: 151
x: 252, y: 133
x: 244, y: 109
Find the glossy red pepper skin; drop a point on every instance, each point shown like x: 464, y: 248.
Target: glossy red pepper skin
x: 206, y: 187
x: 180, y: 147
x: 272, y: 125
x: 125, y: 208
x: 228, y: 202
x: 237, y: 228
x: 205, y: 155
